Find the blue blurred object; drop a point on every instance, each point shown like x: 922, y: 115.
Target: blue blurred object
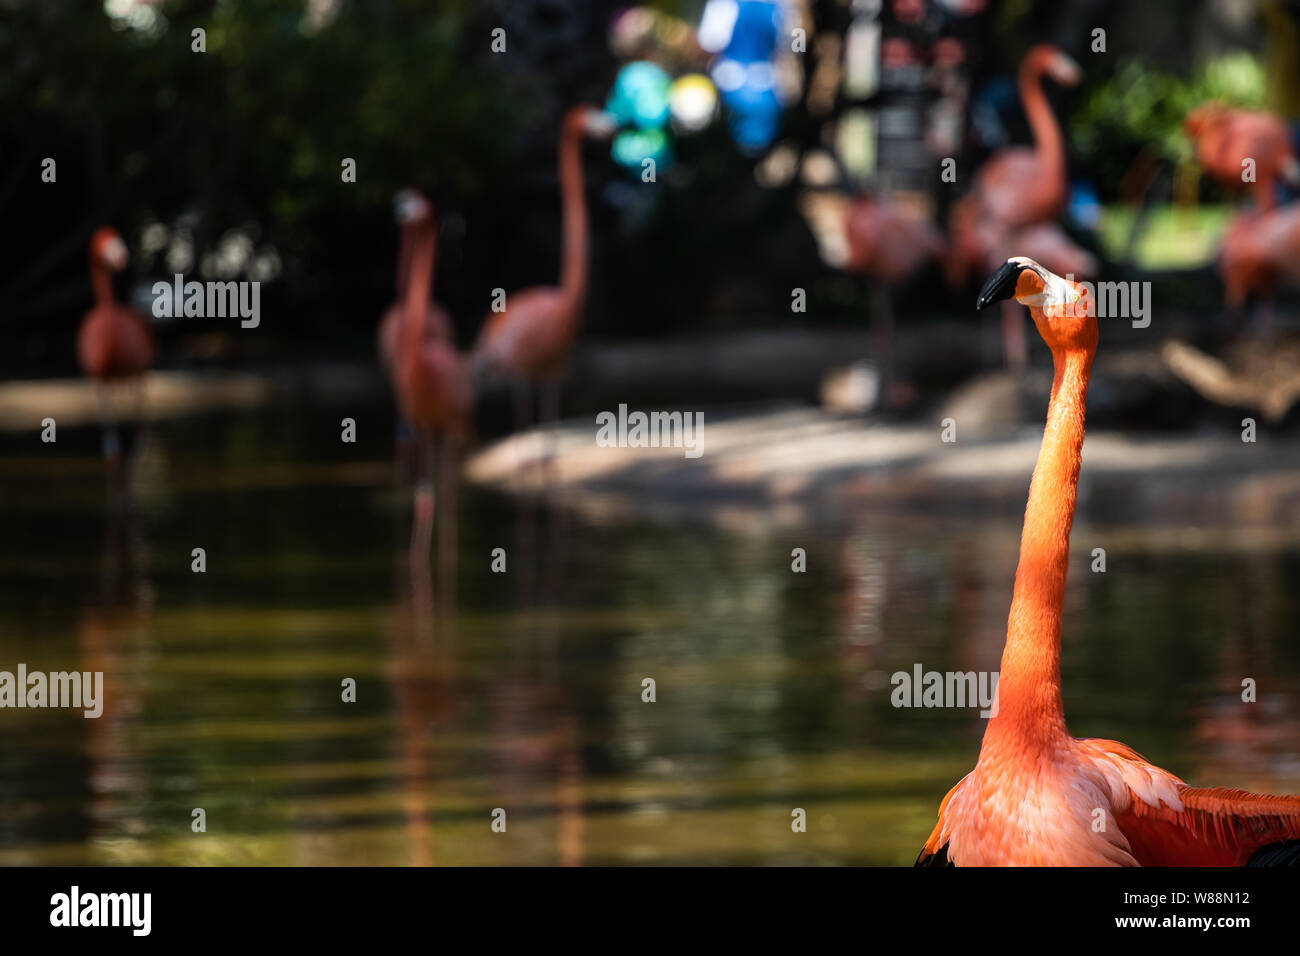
x: 753, y: 37
x: 992, y: 103
x: 754, y: 117
x: 743, y: 71
x: 1084, y: 205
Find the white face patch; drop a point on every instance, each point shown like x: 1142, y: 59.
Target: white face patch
x: 116, y: 254
x: 410, y: 208
x: 600, y: 125
x: 1065, y: 70
x: 1056, y: 291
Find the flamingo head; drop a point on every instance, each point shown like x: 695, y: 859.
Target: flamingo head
x: 589, y: 121
x: 106, y: 246
x: 1054, y: 62
x: 411, y: 205
x: 1063, y: 310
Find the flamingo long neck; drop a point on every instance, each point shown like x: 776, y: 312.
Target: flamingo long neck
x: 1047, y: 134
x: 1029, y: 712
x: 101, y: 282
x: 419, y: 285
x: 573, y: 270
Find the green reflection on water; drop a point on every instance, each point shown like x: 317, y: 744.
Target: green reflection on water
x: 772, y: 687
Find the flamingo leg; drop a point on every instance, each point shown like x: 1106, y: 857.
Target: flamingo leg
x: 1266, y: 320
x: 140, y: 408
x: 549, y: 419
x: 448, y: 480
x: 397, y: 518
x: 143, y: 430
x: 883, y: 327
x: 111, y: 441
x: 526, y: 523
x: 405, y: 452
x: 523, y: 405
x: 422, y: 524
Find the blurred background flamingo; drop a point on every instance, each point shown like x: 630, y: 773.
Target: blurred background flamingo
x: 1016, y: 188
x: 435, y: 395
x: 529, y: 341
x: 1020, y: 185
x: 413, y: 211
x: 889, y: 243
x: 1260, y: 252
x: 115, y: 345
x: 1227, y: 139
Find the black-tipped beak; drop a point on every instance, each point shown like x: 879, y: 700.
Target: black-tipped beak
x: 1001, y: 285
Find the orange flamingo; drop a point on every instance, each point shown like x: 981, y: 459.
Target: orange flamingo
x: 1037, y: 796
x: 1226, y: 137
x: 114, y: 343
x: 531, y: 340
x: 434, y: 393
x: 890, y: 244
x: 411, y: 209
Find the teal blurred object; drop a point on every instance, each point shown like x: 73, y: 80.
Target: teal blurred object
x: 639, y: 102
x: 633, y: 146
x: 640, y: 96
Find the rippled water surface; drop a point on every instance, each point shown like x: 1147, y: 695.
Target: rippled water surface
x: 224, y: 689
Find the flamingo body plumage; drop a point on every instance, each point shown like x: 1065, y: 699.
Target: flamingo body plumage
x: 984, y: 242
x: 1225, y: 138
x: 1017, y: 186
x: 888, y: 242
x: 437, y: 327
x: 1259, y: 252
x: 533, y: 337
x: 434, y: 389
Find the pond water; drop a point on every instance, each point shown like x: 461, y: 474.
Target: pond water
x: 523, y: 690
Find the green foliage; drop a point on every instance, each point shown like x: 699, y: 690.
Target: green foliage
x: 253, y: 130
x: 1139, y: 106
